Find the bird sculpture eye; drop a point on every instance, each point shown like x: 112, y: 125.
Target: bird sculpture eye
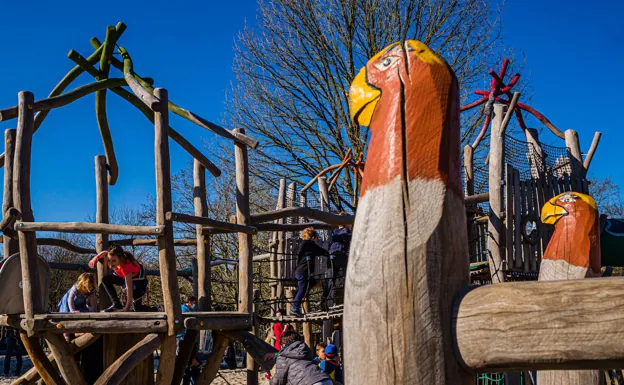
x: 386, y: 62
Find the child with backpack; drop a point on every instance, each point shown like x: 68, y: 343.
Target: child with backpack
x: 127, y: 273
x: 294, y: 365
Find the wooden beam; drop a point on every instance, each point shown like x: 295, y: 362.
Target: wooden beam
x: 99, y: 326
x: 214, y: 360
x: 117, y: 372
x: 281, y: 239
x: 11, y: 244
x: 217, y: 321
x: 478, y: 198
x: 575, y: 324
x: 166, y: 252
x: 33, y: 293
x: 66, y: 362
x: 210, y: 223
x: 496, y: 227
x: 186, y: 348
x: 87, y: 228
x: 592, y: 150
x: 40, y: 361
x: 292, y: 226
x: 305, y: 212
x: 75, y: 346
x: 245, y: 264
x: 149, y: 98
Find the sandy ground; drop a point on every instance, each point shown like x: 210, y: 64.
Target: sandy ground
x: 225, y: 377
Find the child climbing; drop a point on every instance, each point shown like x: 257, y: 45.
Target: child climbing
x: 331, y: 364
x: 338, y: 253
x: 127, y: 273
x: 308, y: 250
x: 294, y: 365
x: 81, y: 297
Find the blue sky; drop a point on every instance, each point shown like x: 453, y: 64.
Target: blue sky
x: 572, y: 46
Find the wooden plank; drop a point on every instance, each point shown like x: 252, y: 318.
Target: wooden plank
x: 509, y: 204
x: 87, y: 228
x: 495, y: 219
x: 305, y: 212
x: 517, y: 220
x: 119, y: 370
x: 40, y: 361
x: 547, y: 309
x: 11, y: 244
x: 245, y: 263
x: 65, y: 359
x: 526, y: 252
x: 539, y: 193
x: 210, y: 223
x: 166, y: 252
x: 531, y: 202
x: 32, y: 292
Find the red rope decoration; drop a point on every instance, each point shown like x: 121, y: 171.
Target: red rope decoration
x: 497, y: 89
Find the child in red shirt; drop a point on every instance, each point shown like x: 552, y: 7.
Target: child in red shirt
x: 278, y: 329
x: 128, y: 273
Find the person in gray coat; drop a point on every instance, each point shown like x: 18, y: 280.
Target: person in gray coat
x: 294, y: 365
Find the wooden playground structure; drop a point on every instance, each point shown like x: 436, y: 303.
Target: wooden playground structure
x: 407, y: 298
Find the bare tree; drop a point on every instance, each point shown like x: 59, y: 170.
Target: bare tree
x: 293, y: 71
x: 608, y: 197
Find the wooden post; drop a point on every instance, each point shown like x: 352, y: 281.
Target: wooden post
x: 324, y: 198
x: 203, y: 242
x: 496, y: 245
x: 101, y: 216
x: 66, y: 362
x: 33, y: 293
x: 11, y: 244
x: 245, y: 263
x: 576, y: 160
x: 290, y: 202
x: 166, y: 253
x: 281, y: 240
x: 469, y: 186
x: 307, y: 326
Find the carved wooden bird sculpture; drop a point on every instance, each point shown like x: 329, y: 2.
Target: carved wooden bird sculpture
x: 410, y: 224
x: 572, y: 253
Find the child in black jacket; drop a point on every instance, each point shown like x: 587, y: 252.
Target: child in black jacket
x: 308, y: 250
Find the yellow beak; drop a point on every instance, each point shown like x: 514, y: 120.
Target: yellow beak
x: 551, y: 212
x: 362, y: 99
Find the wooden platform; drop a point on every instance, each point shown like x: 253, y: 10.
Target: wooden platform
x: 131, y: 322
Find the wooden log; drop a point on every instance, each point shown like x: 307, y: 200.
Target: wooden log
x: 101, y: 216
x: 574, y: 154
x: 307, y: 326
x: 102, y: 326
x: 166, y: 252
x: 87, y: 228
x: 214, y: 360
x: 574, y: 330
x: 306, y: 212
x: 186, y: 348
x: 40, y: 361
x: 292, y: 226
x: 11, y: 244
x: 592, y: 151
x: 245, y: 282
x: 75, y: 346
x: 255, y: 346
x: 410, y: 226
x: 234, y: 135
x: 66, y: 362
x: 281, y: 239
x: 33, y: 293
x: 117, y: 372
x: 323, y: 193
x: 509, y: 218
x: 84, y: 267
x: 210, y: 224
x: 475, y: 199
x: 216, y: 322
x: 496, y: 228
x: 149, y: 98
x: 204, y: 285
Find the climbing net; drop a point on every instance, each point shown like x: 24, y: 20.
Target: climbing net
x: 524, y: 157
